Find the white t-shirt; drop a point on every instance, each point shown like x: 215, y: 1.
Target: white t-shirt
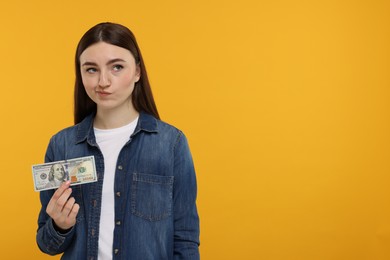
x: 110, y: 143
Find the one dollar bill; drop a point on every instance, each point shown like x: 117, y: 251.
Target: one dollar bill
x: 51, y: 175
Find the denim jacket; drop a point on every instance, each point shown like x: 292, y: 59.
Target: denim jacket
x: 155, y: 192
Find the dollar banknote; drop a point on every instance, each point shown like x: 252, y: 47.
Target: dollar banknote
x: 51, y: 175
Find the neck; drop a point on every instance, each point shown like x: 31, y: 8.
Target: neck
x: 109, y: 119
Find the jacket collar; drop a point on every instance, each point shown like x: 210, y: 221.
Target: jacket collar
x: 84, y: 130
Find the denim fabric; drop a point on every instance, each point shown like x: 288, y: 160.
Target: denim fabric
x: 155, y: 194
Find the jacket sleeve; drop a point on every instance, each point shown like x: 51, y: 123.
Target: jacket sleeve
x: 186, y: 220
x: 49, y: 240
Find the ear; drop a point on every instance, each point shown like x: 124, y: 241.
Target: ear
x: 137, y: 73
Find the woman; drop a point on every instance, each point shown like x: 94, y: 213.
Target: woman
x: 143, y: 204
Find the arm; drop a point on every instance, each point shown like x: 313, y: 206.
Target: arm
x: 186, y: 220
x: 54, y: 238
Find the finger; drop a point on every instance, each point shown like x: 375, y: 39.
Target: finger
x: 57, y: 194
x: 69, y: 221
x: 56, y: 206
x: 75, y: 210
x: 62, y: 200
x: 60, y: 190
x: 68, y: 207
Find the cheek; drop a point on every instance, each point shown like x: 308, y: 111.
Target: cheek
x: 89, y: 83
x: 129, y: 80
x: 89, y: 87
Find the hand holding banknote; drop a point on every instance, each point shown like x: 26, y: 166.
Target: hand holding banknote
x: 62, y: 208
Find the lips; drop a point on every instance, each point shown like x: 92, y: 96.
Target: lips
x: 103, y: 93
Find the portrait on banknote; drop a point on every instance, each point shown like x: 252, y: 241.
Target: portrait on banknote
x: 57, y: 175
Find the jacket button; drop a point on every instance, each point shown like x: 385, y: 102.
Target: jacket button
x: 116, y: 251
x: 118, y: 223
x: 118, y: 194
x: 120, y: 167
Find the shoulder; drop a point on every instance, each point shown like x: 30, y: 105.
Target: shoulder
x: 176, y: 136
x: 66, y: 143
x: 164, y: 126
x: 65, y: 134
x: 149, y: 123
x: 163, y: 131
x: 74, y: 133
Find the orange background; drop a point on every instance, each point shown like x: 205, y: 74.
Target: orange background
x: 285, y: 105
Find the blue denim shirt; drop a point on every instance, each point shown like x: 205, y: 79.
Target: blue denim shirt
x: 155, y: 193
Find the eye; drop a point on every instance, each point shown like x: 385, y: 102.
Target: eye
x: 117, y: 67
x: 90, y: 70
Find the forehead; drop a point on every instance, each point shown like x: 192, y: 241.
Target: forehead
x: 103, y: 51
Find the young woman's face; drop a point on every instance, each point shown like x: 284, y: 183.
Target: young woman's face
x: 109, y: 73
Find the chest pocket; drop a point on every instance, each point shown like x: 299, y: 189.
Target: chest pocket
x: 151, y: 196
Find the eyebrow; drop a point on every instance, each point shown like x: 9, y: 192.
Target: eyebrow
x: 89, y: 63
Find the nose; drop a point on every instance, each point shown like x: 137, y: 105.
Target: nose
x: 104, y: 80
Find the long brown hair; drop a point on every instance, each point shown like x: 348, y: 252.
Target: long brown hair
x: 121, y: 36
